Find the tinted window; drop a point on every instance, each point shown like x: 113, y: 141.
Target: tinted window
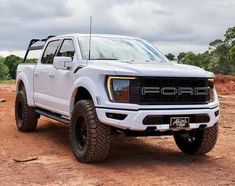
x: 50, y: 52
x: 67, y: 49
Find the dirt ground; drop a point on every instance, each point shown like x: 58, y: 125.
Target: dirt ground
x: 132, y: 161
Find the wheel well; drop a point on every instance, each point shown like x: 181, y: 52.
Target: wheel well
x: 21, y: 86
x: 82, y: 94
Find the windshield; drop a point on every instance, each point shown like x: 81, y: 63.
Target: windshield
x: 107, y: 48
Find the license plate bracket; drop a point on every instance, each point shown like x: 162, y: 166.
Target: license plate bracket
x: 179, y: 122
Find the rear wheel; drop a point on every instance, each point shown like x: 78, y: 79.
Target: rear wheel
x: 197, y: 142
x: 26, y: 117
x: 89, y: 138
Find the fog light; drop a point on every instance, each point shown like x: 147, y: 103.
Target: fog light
x: 116, y: 116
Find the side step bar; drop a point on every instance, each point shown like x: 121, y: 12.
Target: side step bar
x: 52, y: 115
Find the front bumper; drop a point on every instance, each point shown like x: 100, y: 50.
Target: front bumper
x: 134, y: 118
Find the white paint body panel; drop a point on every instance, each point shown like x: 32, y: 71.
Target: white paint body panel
x: 55, y: 89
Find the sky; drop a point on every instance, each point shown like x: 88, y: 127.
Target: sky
x: 171, y: 26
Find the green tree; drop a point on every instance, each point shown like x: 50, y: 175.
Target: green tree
x: 231, y: 59
x: 204, y: 60
x: 230, y: 43
x: 230, y: 36
x: 220, y: 58
x: 180, y: 56
x: 170, y: 56
x: 189, y: 58
x: 3, y: 70
x: 12, y: 62
x: 214, y: 44
x: 220, y: 52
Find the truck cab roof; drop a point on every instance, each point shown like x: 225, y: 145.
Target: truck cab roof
x: 77, y: 35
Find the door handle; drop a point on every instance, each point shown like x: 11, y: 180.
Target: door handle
x: 51, y: 74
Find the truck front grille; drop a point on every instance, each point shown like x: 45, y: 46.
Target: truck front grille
x: 170, y: 84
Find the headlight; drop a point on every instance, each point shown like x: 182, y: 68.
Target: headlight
x: 212, y: 89
x: 118, y: 88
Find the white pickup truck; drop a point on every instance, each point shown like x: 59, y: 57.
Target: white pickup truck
x: 104, y: 84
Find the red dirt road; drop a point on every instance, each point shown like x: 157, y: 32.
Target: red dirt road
x: 132, y: 161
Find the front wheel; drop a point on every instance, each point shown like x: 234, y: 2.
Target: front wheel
x: 197, y: 142
x: 89, y: 138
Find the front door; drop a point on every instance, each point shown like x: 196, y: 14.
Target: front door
x: 62, y: 80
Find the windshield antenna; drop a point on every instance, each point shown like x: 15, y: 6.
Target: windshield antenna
x: 89, y: 54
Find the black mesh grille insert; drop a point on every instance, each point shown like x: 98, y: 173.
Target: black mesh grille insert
x: 137, y: 96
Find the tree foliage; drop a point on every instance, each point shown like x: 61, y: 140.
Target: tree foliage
x: 220, y: 58
x: 230, y: 36
x: 170, y: 56
x: 3, y: 70
x: 12, y: 62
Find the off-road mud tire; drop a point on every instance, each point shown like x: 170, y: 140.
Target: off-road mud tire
x: 89, y: 138
x: 204, y: 140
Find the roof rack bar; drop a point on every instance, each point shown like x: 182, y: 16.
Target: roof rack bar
x: 47, y: 38
x: 33, y: 41
x: 36, y: 47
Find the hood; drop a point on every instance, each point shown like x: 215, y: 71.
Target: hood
x: 138, y: 68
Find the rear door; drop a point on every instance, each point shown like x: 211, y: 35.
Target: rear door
x: 43, y: 96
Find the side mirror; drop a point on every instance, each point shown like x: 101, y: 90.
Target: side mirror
x: 63, y: 63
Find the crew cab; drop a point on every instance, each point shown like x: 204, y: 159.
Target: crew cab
x: 101, y: 85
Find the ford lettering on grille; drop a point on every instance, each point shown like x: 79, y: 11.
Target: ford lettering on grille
x: 176, y: 91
